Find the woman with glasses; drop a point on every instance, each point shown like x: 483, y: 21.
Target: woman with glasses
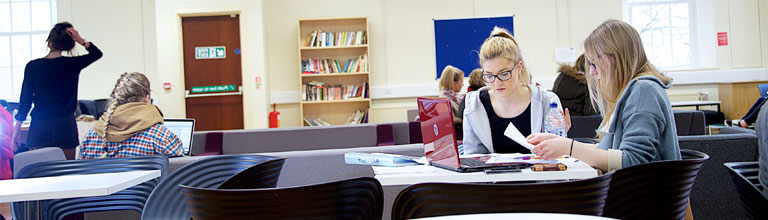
x: 508, y: 100
x: 638, y: 125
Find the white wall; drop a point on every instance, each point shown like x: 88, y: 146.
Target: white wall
x: 145, y: 36
x: 170, y: 60
x: 124, y: 33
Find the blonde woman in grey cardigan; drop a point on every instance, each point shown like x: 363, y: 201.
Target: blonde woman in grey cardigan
x: 638, y: 125
x: 507, y: 100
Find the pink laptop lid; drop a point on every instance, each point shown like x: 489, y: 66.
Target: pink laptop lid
x: 437, y: 131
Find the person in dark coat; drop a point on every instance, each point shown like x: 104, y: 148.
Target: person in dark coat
x: 571, y: 87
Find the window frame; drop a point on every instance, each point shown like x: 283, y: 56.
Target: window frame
x: 693, y: 34
x: 16, y: 91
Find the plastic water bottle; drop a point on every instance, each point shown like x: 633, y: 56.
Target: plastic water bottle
x: 554, y: 123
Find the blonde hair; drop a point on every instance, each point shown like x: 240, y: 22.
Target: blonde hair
x: 501, y: 44
x: 130, y: 87
x: 449, y: 76
x: 476, y: 78
x: 620, y: 44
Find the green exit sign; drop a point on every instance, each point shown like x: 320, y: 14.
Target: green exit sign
x: 216, y: 52
x: 220, y: 88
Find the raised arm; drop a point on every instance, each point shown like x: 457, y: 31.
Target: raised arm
x: 93, y: 52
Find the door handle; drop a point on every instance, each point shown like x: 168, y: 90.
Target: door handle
x: 239, y: 92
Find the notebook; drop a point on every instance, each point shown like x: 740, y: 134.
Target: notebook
x: 763, y: 90
x: 183, y: 128
x: 439, y: 139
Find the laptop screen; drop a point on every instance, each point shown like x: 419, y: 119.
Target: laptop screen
x: 763, y: 90
x: 437, y: 131
x: 183, y: 128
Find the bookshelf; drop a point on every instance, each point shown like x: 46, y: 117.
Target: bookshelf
x: 334, y: 71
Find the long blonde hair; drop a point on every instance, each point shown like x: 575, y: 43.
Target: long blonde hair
x: 502, y: 44
x: 621, y: 46
x: 130, y: 87
x: 449, y: 76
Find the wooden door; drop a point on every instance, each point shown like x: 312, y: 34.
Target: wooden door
x: 220, y: 110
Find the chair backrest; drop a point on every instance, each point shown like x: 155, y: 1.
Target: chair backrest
x: 132, y: 198
x: 359, y: 198
x: 436, y: 199
x: 584, y: 126
x: 744, y: 176
x: 167, y: 201
x: 689, y: 122
x: 655, y: 190
x: 26, y: 158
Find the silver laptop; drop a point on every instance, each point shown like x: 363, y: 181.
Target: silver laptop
x: 183, y: 128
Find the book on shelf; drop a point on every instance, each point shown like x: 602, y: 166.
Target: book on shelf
x: 319, y: 38
x: 317, y: 121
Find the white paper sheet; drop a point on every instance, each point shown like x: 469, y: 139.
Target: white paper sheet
x: 515, y: 135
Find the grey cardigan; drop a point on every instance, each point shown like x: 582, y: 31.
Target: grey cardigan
x: 642, y: 126
x: 477, y: 128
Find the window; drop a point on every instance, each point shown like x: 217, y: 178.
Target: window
x: 24, y: 26
x: 667, y: 28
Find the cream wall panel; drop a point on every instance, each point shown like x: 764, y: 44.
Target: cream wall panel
x: 722, y: 25
x: 745, y: 34
x: 170, y: 61
x: 392, y: 110
x: 117, y: 28
x: 586, y: 15
x: 764, y: 30
x: 410, y: 39
x: 535, y: 30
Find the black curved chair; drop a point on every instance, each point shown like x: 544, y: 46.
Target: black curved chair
x: 132, y: 198
x: 359, y: 198
x: 655, y: 190
x: 225, y: 171
x: 745, y: 177
x: 585, y: 196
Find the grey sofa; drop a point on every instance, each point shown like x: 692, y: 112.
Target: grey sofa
x: 713, y: 195
x: 300, y: 138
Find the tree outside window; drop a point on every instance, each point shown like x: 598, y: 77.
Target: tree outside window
x: 24, y: 26
x: 667, y: 30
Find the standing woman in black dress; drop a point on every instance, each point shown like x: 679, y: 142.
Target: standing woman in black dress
x: 51, y: 84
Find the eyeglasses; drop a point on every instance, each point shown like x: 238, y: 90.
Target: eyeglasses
x: 503, y: 76
x: 592, y: 65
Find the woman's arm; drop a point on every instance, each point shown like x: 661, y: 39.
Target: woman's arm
x: 93, y: 52
x: 550, y: 146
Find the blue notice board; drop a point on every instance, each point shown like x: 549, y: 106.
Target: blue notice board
x: 458, y: 41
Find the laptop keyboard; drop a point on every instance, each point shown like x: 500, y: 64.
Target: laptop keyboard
x: 471, y: 162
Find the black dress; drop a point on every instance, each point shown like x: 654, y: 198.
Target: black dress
x: 51, y: 84
x: 502, y: 143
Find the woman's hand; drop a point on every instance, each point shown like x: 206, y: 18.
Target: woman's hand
x: 537, y: 138
x: 75, y: 36
x: 552, y: 148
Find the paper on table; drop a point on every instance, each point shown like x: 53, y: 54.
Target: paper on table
x: 380, y: 170
x: 515, y: 135
x: 519, y: 158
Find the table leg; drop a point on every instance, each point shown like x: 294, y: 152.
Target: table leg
x: 32, y: 210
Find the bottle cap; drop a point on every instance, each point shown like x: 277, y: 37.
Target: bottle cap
x: 553, y: 103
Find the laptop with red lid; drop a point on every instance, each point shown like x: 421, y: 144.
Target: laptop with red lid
x: 439, y: 139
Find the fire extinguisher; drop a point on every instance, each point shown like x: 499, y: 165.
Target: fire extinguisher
x: 274, y: 117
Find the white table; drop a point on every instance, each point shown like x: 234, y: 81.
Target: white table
x: 71, y: 186
x: 576, y: 170
x: 505, y: 216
